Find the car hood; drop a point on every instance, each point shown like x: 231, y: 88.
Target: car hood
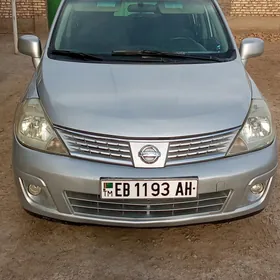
x: 144, y: 100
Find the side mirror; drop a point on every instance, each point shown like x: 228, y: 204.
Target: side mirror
x: 251, y: 47
x: 30, y: 45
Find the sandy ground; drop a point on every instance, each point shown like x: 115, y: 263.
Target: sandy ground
x: 31, y: 248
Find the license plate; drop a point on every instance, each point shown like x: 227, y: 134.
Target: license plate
x: 148, y: 189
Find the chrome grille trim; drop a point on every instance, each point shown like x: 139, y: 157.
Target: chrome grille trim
x: 117, y: 150
x: 193, y: 149
x: 90, y: 146
x: 83, y: 204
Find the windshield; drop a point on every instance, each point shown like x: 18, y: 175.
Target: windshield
x: 110, y: 28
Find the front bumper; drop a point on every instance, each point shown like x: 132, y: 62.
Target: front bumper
x: 60, y: 175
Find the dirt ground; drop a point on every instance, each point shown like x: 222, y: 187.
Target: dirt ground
x: 31, y: 248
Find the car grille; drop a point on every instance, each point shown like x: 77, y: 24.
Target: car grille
x: 117, y: 150
x: 91, y: 205
x: 94, y: 147
x: 200, y: 148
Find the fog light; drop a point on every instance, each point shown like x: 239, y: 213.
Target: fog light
x: 257, y: 189
x: 34, y: 190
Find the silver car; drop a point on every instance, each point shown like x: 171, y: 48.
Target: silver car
x: 142, y: 114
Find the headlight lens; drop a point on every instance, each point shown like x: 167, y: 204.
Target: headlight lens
x: 34, y: 130
x: 257, y: 132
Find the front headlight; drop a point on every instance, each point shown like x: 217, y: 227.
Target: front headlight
x: 257, y: 132
x: 34, y: 130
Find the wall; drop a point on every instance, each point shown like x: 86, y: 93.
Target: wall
x: 255, y: 7
x: 226, y: 6
x: 251, y: 7
x: 32, y: 13
x: 25, y: 8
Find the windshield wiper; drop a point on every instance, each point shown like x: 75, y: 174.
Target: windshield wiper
x: 80, y: 55
x: 166, y: 54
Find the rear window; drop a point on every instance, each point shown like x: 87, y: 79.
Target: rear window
x: 100, y: 27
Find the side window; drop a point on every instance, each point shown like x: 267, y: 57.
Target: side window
x: 196, y: 27
x: 218, y: 39
x: 62, y: 31
x: 214, y: 30
x: 201, y: 26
